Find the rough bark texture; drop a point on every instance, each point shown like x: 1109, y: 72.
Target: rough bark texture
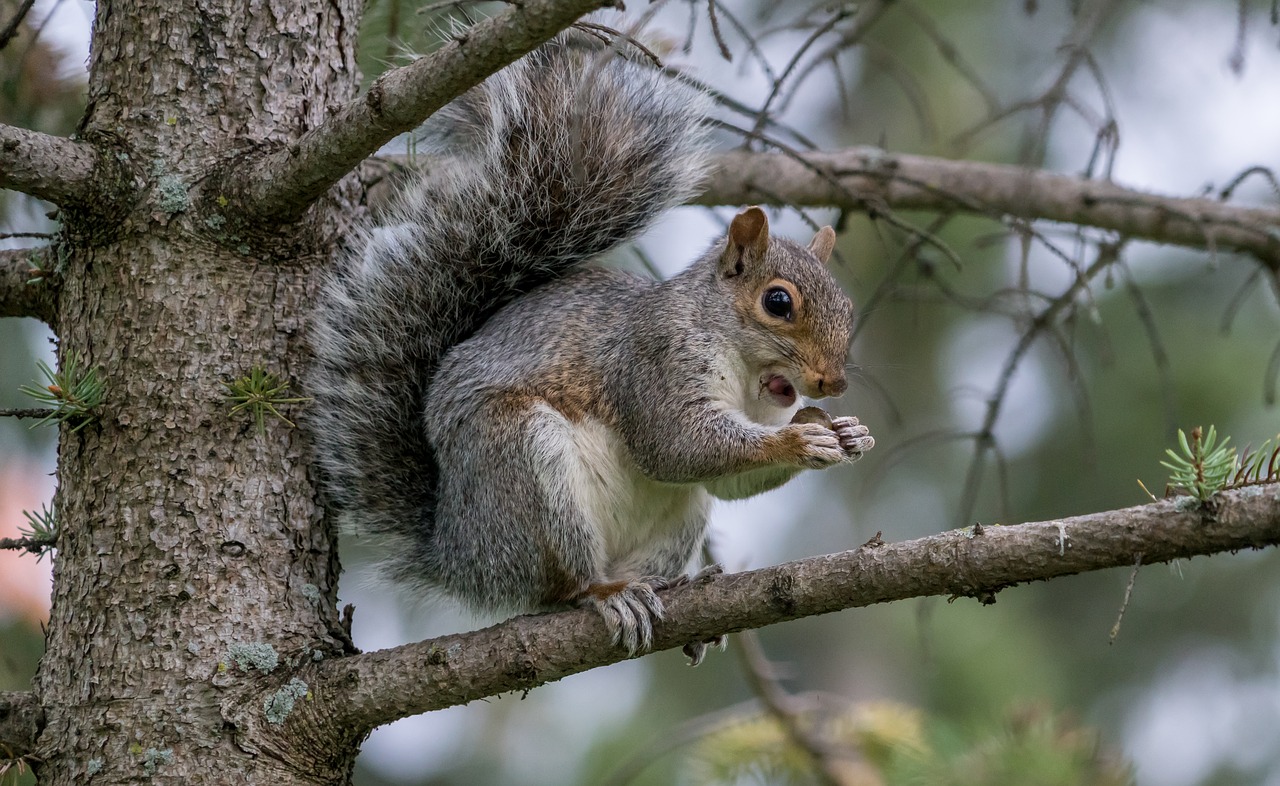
x: 21, y: 719
x: 185, y: 534
x: 367, y: 690
x: 20, y: 294
x: 56, y: 169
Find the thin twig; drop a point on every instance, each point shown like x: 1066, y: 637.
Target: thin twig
x: 1124, y: 604
x: 33, y: 412
x: 11, y: 29
x: 32, y: 545
x: 780, y: 704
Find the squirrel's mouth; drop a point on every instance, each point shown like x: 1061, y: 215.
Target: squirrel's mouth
x: 780, y: 390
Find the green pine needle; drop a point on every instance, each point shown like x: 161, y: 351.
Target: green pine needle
x: 41, y: 529
x: 260, y: 393
x: 72, y: 392
x: 1204, y: 467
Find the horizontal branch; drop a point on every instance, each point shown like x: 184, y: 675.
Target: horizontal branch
x: 284, y: 184
x: 870, y: 178
x: 20, y: 721
x: 20, y: 296
x: 355, y: 694
x: 48, y: 167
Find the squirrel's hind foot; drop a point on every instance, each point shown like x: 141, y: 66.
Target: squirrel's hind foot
x: 629, y: 609
x: 697, y: 650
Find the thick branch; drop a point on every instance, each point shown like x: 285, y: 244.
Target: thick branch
x: 20, y: 296
x: 45, y: 166
x: 285, y: 183
x: 870, y: 178
x: 20, y: 722
x: 355, y: 694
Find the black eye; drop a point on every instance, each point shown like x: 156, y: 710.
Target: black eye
x: 777, y: 301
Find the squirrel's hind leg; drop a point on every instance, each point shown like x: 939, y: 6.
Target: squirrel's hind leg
x: 505, y: 537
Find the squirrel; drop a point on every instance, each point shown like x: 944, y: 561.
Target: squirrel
x: 523, y: 433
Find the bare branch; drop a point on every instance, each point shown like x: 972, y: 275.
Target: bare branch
x: 11, y: 29
x: 858, y: 178
x: 355, y: 694
x: 20, y: 295
x: 20, y: 721
x: 45, y: 166
x: 789, y: 712
x: 283, y: 185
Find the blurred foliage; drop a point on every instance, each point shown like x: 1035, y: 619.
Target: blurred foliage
x: 888, y: 744
x: 38, y: 90
x: 36, y: 93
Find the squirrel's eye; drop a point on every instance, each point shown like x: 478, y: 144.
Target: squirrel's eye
x: 777, y: 301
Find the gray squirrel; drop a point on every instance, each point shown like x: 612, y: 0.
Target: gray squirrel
x: 521, y: 433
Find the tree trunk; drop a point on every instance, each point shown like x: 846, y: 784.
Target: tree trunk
x: 192, y: 554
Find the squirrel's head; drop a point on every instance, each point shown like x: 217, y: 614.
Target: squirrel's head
x: 797, y: 319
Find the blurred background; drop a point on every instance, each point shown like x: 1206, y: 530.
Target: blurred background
x: 1172, y: 97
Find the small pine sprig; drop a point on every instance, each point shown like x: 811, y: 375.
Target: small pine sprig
x: 41, y: 531
x: 1258, y: 466
x: 72, y: 392
x: 47, y: 265
x: 261, y: 392
x: 12, y: 769
x: 1204, y: 467
x: 39, y: 270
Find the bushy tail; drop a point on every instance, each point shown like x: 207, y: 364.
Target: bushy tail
x: 558, y: 158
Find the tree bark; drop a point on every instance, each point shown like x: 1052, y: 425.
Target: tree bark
x: 283, y: 185
x: 48, y: 167
x: 873, y: 179
x: 190, y: 545
x: 363, y: 691
x: 28, y: 284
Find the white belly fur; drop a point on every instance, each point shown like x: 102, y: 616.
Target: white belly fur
x: 587, y: 462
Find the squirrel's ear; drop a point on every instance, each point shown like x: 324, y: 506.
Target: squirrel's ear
x: 748, y: 241
x: 823, y: 243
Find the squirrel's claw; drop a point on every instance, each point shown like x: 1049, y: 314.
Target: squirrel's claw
x: 630, y: 612
x: 855, y: 438
x: 697, y: 650
x: 702, y: 575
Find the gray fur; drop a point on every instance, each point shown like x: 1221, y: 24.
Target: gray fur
x: 521, y: 434
x: 560, y: 157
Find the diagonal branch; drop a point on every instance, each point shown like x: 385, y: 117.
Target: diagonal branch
x: 20, y: 296
x: 21, y: 719
x: 355, y: 694
x: 282, y: 186
x: 870, y: 178
x: 47, y: 167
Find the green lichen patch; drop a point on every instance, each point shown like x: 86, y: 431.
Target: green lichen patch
x: 279, y: 704
x: 172, y: 194
x: 254, y: 655
x: 154, y: 758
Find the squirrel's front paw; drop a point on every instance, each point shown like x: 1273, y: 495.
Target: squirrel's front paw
x: 629, y: 610
x: 855, y: 438
x: 811, y: 445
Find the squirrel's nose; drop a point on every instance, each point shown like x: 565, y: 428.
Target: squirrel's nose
x: 831, y: 384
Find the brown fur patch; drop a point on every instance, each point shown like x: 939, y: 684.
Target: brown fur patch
x: 604, y: 590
